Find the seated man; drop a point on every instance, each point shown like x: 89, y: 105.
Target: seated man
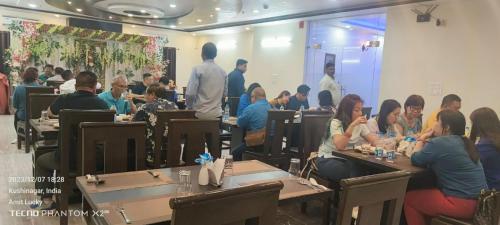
x: 147, y: 112
x: 168, y: 85
x: 114, y: 97
x: 299, y: 100
x: 139, y: 89
x: 58, y: 75
x: 450, y: 102
x: 84, y: 98
x: 253, y: 118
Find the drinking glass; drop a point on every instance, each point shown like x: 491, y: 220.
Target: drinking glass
x: 184, y: 182
x: 228, y: 166
x: 391, y: 156
x: 294, y: 169
x: 44, y: 115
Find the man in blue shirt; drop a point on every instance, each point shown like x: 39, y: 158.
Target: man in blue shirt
x: 300, y: 99
x: 236, y: 82
x: 253, y: 118
x: 114, y: 97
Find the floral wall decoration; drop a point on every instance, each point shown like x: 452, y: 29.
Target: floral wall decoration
x: 35, y: 44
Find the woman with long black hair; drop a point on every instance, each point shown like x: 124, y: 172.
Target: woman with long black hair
x: 455, y: 161
x: 347, y: 127
x: 485, y: 133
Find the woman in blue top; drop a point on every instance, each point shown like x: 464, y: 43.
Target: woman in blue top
x: 30, y: 76
x: 486, y: 131
x: 245, y: 99
x: 459, y: 173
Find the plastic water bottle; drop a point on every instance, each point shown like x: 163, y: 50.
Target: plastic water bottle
x: 225, y: 117
x: 302, y: 108
x: 282, y: 108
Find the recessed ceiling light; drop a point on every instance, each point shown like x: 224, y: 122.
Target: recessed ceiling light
x: 133, y: 26
x: 247, y: 28
x: 194, y: 34
x: 110, y: 17
x: 143, y: 11
x: 173, y: 26
x: 180, y: 22
x: 173, y: 5
x: 199, y: 20
x: 69, y: 2
x: 79, y: 10
x: 130, y: 15
x: 155, y: 16
x: 57, y: 15
x: 217, y: 9
x: 348, y: 27
x: 255, y: 11
x: 211, y: 15
x: 32, y: 5
x: 148, y: 22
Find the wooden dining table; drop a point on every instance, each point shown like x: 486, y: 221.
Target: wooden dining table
x: 145, y: 199
x: 45, y: 128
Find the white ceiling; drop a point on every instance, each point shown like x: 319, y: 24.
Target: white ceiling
x: 197, y: 15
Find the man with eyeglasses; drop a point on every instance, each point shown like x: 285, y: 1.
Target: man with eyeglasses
x: 299, y: 100
x: 117, y: 98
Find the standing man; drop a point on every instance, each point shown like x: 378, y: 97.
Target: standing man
x: 328, y: 83
x: 207, y: 85
x: 114, y: 97
x: 236, y: 83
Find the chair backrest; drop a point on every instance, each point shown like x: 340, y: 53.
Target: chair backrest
x: 312, y: 130
x: 162, y: 119
x: 35, y: 90
x: 195, y: 133
x: 38, y: 103
x: 367, y: 111
x: 54, y: 83
x: 69, y: 121
x: 254, y: 204
x: 233, y: 105
x: 279, y: 125
x: 370, y: 193
x: 115, y: 139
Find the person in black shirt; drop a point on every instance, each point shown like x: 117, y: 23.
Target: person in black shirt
x: 83, y: 98
x: 299, y: 99
x: 140, y: 89
x: 236, y: 82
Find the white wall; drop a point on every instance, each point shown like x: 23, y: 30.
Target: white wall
x: 461, y: 57
x: 276, y: 69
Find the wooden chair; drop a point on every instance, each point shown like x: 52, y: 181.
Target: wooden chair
x: 54, y: 83
x: 312, y: 131
x: 39, y: 102
x: 445, y: 220
x: 25, y: 125
x: 162, y: 119
x: 194, y: 133
x: 69, y: 121
x: 279, y: 125
x: 252, y: 205
x: 370, y: 193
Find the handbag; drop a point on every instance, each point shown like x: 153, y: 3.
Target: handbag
x: 255, y: 138
x: 486, y: 207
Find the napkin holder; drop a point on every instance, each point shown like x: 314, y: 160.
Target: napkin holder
x: 216, y: 172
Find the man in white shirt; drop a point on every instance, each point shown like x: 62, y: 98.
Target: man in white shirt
x: 58, y: 75
x: 328, y: 83
x: 207, y: 86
